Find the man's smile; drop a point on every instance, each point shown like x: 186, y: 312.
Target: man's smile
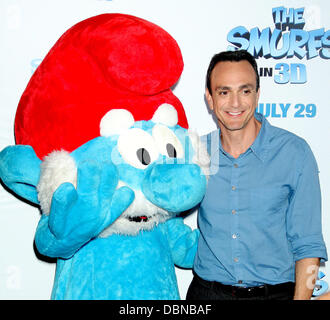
x: 235, y: 114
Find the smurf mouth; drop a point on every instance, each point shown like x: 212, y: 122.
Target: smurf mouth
x: 139, y: 219
x: 141, y: 215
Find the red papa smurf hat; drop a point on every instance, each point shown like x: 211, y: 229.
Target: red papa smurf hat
x: 110, y: 61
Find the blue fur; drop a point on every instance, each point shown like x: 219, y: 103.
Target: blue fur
x: 118, y: 266
x: 20, y: 171
x: 126, y: 267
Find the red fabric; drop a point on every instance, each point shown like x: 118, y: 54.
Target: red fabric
x: 105, y: 62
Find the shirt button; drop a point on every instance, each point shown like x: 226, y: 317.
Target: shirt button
x: 235, y: 259
x: 234, y: 236
x: 235, y: 165
x: 233, y: 211
x: 233, y: 188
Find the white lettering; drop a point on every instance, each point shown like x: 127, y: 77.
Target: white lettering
x: 136, y: 310
x: 190, y: 309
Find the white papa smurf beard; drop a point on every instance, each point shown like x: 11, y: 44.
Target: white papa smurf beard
x: 139, y: 207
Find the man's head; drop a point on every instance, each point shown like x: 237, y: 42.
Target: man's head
x: 232, y: 89
x: 236, y: 56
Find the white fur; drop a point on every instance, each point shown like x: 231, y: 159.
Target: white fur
x: 139, y: 207
x: 57, y: 167
x: 166, y: 114
x: 115, y: 122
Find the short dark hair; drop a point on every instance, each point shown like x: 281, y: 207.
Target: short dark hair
x: 238, y: 55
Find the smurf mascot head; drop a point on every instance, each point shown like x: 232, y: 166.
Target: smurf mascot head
x: 102, y: 146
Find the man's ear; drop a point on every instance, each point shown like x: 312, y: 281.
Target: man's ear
x: 209, y: 99
x: 20, y: 171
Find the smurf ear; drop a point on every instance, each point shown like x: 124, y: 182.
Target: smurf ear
x: 166, y: 114
x: 115, y: 122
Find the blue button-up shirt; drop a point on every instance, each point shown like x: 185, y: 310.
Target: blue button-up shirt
x: 261, y: 211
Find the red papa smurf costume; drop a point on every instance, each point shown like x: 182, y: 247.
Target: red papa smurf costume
x: 102, y: 146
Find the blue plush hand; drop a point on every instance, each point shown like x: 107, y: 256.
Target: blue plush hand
x: 183, y: 242
x: 78, y: 215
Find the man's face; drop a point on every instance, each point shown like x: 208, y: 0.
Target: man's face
x: 234, y: 97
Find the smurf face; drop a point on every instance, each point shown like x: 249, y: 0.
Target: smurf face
x: 161, y: 162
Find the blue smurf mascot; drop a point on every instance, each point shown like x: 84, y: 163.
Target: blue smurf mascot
x: 102, y: 146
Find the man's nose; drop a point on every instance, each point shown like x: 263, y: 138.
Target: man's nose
x: 235, y: 100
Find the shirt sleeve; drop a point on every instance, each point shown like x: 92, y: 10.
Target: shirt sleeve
x: 304, y: 227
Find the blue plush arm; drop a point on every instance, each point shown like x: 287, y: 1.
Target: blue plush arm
x: 183, y: 242
x: 78, y: 215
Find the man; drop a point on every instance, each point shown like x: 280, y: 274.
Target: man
x: 260, y: 219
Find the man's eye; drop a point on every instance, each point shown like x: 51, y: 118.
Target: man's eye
x: 223, y: 93
x: 247, y: 91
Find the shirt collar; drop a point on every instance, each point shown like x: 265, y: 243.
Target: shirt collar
x: 260, y: 145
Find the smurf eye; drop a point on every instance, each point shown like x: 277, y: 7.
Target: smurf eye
x: 171, y: 150
x: 137, y: 148
x: 143, y: 156
x: 167, y: 142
